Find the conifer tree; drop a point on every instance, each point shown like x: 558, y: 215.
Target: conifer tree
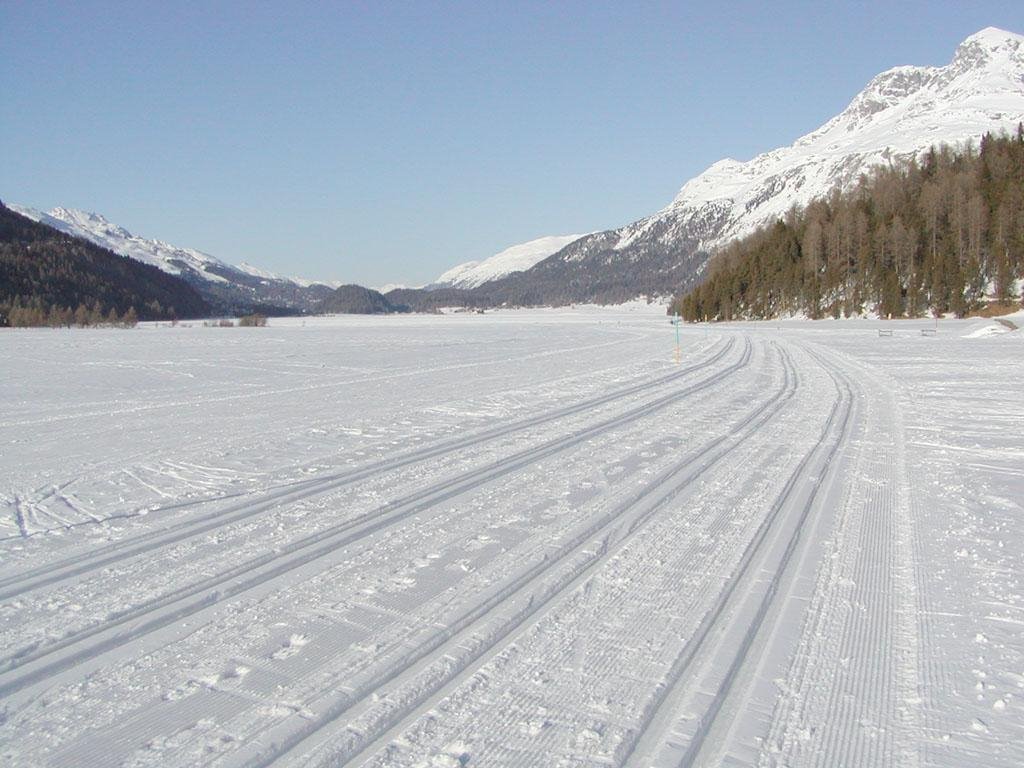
x: 909, y: 238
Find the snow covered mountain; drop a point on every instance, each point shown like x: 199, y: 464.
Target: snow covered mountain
x: 228, y: 287
x: 517, y: 258
x: 265, y: 274
x: 96, y: 228
x: 900, y: 114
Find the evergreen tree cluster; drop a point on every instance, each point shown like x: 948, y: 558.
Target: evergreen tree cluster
x: 357, y: 300
x: 252, y: 321
x: 932, y: 235
x: 36, y: 313
x: 50, y: 278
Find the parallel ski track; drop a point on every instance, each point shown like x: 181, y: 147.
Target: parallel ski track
x: 456, y: 642
x: 840, y: 414
x: 86, y: 562
x: 24, y: 532
x: 89, y: 518
x: 32, y: 665
x: 868, y: 691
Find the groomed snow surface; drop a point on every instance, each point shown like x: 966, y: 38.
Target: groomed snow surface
x: 516, y: 539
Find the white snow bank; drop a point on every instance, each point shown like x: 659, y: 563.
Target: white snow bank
x: 991, y: 329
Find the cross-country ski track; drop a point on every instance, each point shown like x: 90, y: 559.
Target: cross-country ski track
x: 797, y: 546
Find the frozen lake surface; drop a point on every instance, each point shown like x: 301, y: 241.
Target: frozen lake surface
x: 515, y: 539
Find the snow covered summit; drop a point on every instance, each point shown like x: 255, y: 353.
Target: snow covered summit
x: 97, y: 229
x: 899, y: 114
x: 516, y: 258
x: 226, y: 286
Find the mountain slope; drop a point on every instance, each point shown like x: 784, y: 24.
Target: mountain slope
x: 357, y: 300
x: 44, y: 267
x: 516, y: 258
x: 940, y: 235
x: 226, y: 287
x: 898, y: 115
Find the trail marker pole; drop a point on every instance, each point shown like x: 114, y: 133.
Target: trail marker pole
x: 678, y: 352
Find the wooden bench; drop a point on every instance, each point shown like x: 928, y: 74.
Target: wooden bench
x: 885, y: 331
x: 929, y: 331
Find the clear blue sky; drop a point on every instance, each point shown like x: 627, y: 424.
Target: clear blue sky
x: 385, y: 142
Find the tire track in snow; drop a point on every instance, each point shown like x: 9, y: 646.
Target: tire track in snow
x: 34, y: 665
x: 78, y: 565
x: 467, y: 642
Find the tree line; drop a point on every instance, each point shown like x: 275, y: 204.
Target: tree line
x: 50, y: 278
x: 35, y: 313
x: 943, y: 233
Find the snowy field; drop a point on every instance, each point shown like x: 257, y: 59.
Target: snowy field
x: 515, y: 539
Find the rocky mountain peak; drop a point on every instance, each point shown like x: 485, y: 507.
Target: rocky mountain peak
x: 899, y: 114
x: 981, y: 48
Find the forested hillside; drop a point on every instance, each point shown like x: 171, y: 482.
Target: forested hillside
x: 228, y: 289
x: 357, y: 300
x: 51, y: 278
x: 934, y: 235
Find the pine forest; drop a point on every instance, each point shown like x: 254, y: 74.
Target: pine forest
x: 943, y: 234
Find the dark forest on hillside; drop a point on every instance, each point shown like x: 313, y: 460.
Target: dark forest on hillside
x: 50, y: 278
x: 923, y: 236
x: 357, y: 300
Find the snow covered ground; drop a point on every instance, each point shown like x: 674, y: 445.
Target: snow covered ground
x: 522, y: 538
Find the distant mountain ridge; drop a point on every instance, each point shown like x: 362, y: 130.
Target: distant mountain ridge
x: 228, y: 288
x: 357, y: 300
x: 516, y: 258
x: 51, y: 274
x: 899, y: 114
